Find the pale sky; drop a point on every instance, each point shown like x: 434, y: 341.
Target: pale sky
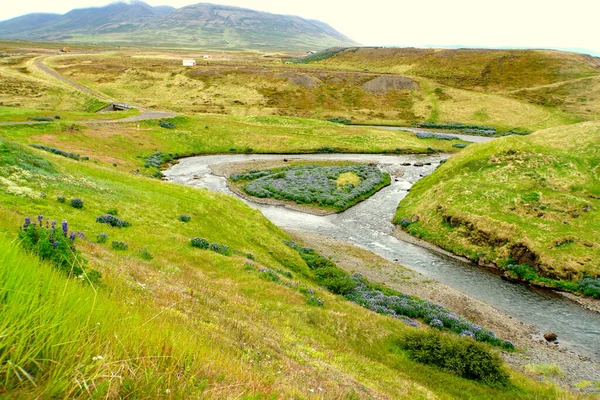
x: 572, y: 25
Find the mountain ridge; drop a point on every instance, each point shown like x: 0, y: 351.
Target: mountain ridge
x: 197, y: 25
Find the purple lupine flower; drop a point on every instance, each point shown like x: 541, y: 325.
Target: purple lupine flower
x: 467, y: 333
x: 27, y: 222
x: 40, y: 219
x: 55, y: 244
x: 436, y: 323
x: 53, y: 224
x: 65, y: 227
x: 72, y: 236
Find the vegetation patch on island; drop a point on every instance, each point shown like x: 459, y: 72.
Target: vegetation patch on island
x: 331, y: 187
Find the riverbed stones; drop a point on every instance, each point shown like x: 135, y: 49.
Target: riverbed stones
x: 418, y: 164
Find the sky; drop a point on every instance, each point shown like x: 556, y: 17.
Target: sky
x: 551, y: 24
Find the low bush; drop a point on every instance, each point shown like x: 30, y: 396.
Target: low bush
x: 145, y: 254
x: 112, y: 221
x: 200, y: 243
x: 167, y: 125
x: 60, y: 199
x: 461, y: 356
x: 339, y: 120
x: 116, y: 245
x: 220, y: 248
x: 40, y: 119
x: 73, y: 156
x: 101, y: 237
x: 57, y: 246
x: 268, y: 274
x: 184, y: 218
x: 77, y: 203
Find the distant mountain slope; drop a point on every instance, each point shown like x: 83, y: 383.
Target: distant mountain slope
x: 22, y: 25
x: 199, y: 25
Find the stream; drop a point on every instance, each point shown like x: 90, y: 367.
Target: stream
x: 368, y: 225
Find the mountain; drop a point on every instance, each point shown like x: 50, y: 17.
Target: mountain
x: 199, y: 25
x: 21, y: 25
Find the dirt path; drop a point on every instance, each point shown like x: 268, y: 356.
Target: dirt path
x: 144, y: 114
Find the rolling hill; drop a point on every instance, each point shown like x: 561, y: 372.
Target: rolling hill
x: 199, y: 25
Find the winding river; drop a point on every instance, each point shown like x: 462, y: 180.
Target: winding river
x: 368, y: 225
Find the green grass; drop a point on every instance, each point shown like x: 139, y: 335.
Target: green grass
x: 14, y: 114
x: 187, y: 321
x: 517, y: 200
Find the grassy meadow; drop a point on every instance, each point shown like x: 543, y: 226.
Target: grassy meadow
x: 183, y: 322
x: 169, y: 320
x: 517, y: 200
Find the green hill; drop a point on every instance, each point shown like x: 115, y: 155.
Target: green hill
x: 529, y: 205
x: 201, y: 25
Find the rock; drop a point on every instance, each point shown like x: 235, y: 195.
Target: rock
x: 550, y: 336
x: 540, y: 215
x: 285, y: 160
x: 406, y: 164
x: 418, y: 164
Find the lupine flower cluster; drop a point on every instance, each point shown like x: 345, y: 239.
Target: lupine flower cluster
x: 428, y: 135
x: 77, y: 203
x: 112, y: 221
x: 268, y: 274
x: 589, y: 287
x: 119, y: 245
x: 57, y: 151
x: 395, y: 304
x: 473, y: 129
x: 311, y: 184
x: 391, y: 302
x: 55, y: 244
x: 204, y: 244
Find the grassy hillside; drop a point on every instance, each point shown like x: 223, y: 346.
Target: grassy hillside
x: 172, y: 320
x: 490, y: 70
x: 531, y: 201
x: 258, y: 86
x: 564, y: 83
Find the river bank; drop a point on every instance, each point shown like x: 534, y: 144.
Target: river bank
x: 368, y: 225
x: 533, y: 349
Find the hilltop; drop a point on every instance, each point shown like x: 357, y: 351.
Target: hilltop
x: 200, y: 25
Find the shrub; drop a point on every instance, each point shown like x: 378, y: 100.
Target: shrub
x: 74, y: 156
x: 200, y: 243
x: 145, y: 254
x: 339, y: 120
x: 112, y: 211
x: 112, y: 221
x: 57, y: 117
x: 461, y: 356
x: 60, y: 199
x: 268, y: 274
x: 76, y: 203
x: 101, y: 237
x: 167, y: 125
x: 184, y: 218
x: 589, y: 287
x: 58, y: 247
x: 220, y: 248
x: 313, y: 300
x: 116, y: 245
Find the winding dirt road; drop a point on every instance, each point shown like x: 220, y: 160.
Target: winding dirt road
x: 142, y: 116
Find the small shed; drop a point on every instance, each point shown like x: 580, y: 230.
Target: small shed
x: 189, y: 63
x: 207, y: 57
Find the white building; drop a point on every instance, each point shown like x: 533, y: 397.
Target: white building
x: 189, y: 63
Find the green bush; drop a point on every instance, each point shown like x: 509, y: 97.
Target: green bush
x: 462, y: 356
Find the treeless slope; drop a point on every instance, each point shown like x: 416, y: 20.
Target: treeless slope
x: 531, y: 200
x: 491, y: 70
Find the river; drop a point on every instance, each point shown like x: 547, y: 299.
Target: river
x: 368, y: 225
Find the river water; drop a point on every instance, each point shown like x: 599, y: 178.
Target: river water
x: 368, y: 225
